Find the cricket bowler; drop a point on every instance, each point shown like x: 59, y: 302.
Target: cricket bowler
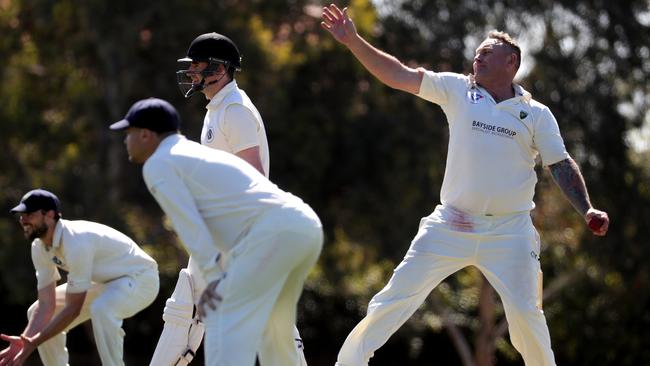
x: 496, y: 132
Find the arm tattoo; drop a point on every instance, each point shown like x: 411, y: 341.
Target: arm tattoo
x: 567, y: 176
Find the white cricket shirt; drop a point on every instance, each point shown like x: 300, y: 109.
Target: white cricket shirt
x: 233, y: 124
x: 211, y: 197
x: 89, y: 252
x: 492, y: 146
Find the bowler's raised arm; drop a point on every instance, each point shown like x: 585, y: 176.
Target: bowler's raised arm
x: 388, y: 69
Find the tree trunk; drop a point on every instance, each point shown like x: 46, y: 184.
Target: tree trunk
x: 485, y: 337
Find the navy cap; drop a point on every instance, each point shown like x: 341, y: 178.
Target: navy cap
x: 38, y: 199
x: 153, y: 114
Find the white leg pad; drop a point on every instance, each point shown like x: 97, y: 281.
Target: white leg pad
x: 182, y: 334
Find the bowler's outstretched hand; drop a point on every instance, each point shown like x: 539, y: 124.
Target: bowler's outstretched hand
x: 209, y: 298
x: 338, y: 23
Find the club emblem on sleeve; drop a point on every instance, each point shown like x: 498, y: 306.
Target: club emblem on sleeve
x: 474, y: 96
x: 209, y: 136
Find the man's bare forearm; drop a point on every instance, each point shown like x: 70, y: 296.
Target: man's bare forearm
x: 567, y: 176
x: 57, y: 324
x: 39, y: 319
x: 385, y: 67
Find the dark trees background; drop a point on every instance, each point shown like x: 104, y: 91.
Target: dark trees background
x: 369, y: 159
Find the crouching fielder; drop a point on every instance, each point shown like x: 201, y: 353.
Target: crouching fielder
x: 109, y: 279
x: 253, y: 243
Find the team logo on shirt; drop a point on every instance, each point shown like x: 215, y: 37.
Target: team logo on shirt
x: 57, y: 261
x: 522, y: 114
x: 495, y: 130
x: 474, y: 96
x: 209, y: 136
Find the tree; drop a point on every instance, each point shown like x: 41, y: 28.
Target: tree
x: 369, y: 160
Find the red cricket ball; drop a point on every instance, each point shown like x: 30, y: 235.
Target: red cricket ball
x: 596, y: 223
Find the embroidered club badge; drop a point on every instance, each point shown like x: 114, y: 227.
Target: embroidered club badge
x: 474, y: 96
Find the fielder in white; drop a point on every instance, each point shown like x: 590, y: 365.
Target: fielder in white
x: 253, y: 243
x: 232, y: 124
x: 496, y: 131
x: 109, y: 279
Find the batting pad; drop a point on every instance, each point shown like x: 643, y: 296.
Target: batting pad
x: 182, y: 334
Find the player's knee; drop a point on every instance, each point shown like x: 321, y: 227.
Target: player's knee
x: 519, y: 304
x: 103, y: 318
x: 100, y: 310
x: 524, y: 313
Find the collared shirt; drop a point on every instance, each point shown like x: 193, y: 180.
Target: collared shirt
x: 232, y: 124
x: 89, y: 252
x: 211, y: 197
x: 492, y: 146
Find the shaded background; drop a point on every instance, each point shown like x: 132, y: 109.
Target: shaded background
x: 369, y: 159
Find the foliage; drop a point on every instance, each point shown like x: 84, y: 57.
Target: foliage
x: 370, y: 160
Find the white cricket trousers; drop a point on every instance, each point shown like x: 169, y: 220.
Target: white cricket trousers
x: 263, y: 281
x: 106, y: 305
x: 198, y: 286
x: 504, y: 248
